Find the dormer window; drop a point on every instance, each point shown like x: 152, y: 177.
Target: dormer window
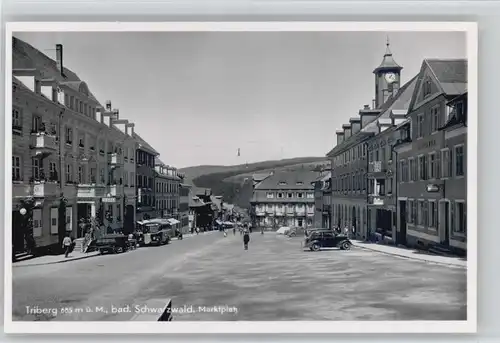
x: 270, y: 195
x: 290, y: 195
x: 300, y: 195
x: 282, y: 183
x: 299, y: 183
x: 280, y: 195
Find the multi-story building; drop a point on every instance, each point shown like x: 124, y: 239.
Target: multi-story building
x: 323, y: 201
x: 184, y: 211
x: 453, y: 207
x: 432, y: 186
x: 67, y: 159
x: 382, y: 165
x: 285, y: 199
x: 145, y: 183
x: 359, y: 181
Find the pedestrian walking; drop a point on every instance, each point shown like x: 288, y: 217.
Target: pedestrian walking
x: 66, y: 244
x: 234, y: 231
x: 346, y: 231
x: 246, y: 239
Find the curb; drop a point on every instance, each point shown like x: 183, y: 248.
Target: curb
x: 47, y: 263
x: 68, y: 260
x: 412, y: 258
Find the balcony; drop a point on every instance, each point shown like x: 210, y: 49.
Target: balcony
x: 90, y: 191
x: 43, y: 144
x: 280, y: 213
x: 45, y: 189
x: 260, y: 213
x: 114, y: 160
x: 290, y: 213
x: 376, y: 200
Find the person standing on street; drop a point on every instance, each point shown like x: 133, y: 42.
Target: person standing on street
x: 346, y: 231
x: 66, y: 244
x: 246, y: 239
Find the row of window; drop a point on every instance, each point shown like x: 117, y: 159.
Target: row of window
x: 290, y: 195
x: 350, y: 155
x: 299, y: 222
x: 435, y: 165
x: 163, y: 187
x: 163, y: 204
x: 84, y: 139
x: 425, y: 213
x: 144, y: 158
x: 281, y: 207
x: 355, y: 181
x: 79, y: 106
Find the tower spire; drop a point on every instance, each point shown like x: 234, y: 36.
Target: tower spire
x: 388, y: 62
x: 387, y: 49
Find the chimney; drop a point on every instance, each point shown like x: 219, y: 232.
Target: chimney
x: 59, y: 58
x: 366, y: 107
x: 373, y: 104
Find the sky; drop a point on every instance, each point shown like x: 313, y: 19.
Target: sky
x: 197, y: 97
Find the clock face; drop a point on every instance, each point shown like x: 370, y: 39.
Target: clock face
x: 390, y: 77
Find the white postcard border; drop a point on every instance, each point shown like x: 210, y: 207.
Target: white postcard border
x: 467, y: 326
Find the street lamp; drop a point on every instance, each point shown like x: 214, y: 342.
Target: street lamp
x: 23, y: 211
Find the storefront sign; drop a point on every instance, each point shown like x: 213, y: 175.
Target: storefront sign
x: 108, y: 200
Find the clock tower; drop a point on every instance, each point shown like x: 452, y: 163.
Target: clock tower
x: 387, y: 78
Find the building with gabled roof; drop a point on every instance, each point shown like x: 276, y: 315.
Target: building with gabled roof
x: 432, y: 155
x: 284, y: 199
x: 349, y: 158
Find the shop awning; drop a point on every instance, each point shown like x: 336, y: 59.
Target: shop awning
x: 173, y: 221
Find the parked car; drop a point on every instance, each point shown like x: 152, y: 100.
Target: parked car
x: 296, y: 231
x: 326, y: 239
x: 283, y: 230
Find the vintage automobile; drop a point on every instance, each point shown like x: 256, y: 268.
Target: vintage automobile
x: 326, y: 239
x: 113, y: 243
x: 156, y: 232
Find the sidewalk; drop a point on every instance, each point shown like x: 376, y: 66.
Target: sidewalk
x: 52, y: 259
x: 75, y: 255
x: 411, y: 254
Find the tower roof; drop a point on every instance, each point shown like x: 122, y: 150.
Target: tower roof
x: 388, y: 63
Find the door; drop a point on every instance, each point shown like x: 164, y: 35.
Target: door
x: 401, y: 234
x: 328, y: 240
x: 300, y: 222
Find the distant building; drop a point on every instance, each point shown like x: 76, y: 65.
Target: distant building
x: 145, y: 185
x: 284, y: 199
x: 323, y: 201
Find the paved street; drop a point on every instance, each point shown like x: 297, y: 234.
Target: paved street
x: 273, y: 280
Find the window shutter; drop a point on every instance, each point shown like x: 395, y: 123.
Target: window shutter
x: 37, y: 223
x: 54, y: 214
